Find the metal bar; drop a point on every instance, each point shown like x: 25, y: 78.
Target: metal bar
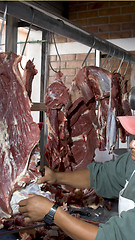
x: 57, y: 24
x: 2, y: 25
x: 38, y: 107
x: 11, y: 34
x: 44, y: 78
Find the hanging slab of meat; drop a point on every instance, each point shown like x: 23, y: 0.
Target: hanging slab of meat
x: 18, y: 133
x: 83, y: 118
x: 28, y: 76
x: 56, y: 99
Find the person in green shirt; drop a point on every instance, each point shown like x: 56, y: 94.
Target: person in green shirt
x: 110, y: 179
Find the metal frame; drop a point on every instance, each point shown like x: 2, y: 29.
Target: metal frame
x: 53, y: 23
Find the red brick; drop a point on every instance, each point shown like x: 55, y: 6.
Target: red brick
x: 97, y: 5
x: 90, y: 62
x: 128, y: 9
x: 89, y: 14
x: 132, y: 52
x: 122, y: 18
x: 55, y: 65
x: 93, y: 29
x: 68, y: 72
x: 82, y: 22
x: 96, y: 21
x: 53, y: 58
x: 72, y: 15
x: 109, y: 28
x: 82, y: 56
x: 76, y: 6
x: 68, y: 80
x: 68, y: 57
x: 127, y: 34
x: 52, y: 73
x: 103, y: 35
x: 73, y: 64
x: 133, y: 34
x: 127, y: 26
x: 109, y: 11
x: 51, y: 80
x: 119, y: 3
x: 59, y: 39
x: 133, y: 17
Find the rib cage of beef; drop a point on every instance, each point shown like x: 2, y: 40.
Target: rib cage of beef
x: 18, y: 133
x: 83, y: 118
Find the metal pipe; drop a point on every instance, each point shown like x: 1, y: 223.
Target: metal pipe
x: 53, y: 23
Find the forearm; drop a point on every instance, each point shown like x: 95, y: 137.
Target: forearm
x: 75, y: 228
x: 76, y: 179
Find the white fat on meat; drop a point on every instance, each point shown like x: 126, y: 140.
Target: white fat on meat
x: 24, y: 193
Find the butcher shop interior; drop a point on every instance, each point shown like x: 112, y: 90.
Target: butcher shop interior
x: 67, y: 72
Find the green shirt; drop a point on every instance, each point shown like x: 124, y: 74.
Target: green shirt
x: 108, y: 179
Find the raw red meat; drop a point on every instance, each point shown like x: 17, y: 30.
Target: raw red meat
x: 83, y: 118
x: 28, y: 76
x: 18, y: 133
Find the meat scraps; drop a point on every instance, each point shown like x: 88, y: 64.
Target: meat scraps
x: 18, y: 133
x: 83, y: 118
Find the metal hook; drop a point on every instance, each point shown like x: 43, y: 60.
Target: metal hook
x: 106, y: 57
x: 2, y: 25
x: 57, y: 53
x: 88, y: 54
x: 27, y: 36
x: 110, y: 59
x: 121, y: 63
x: 126, y: 68
x: 113, y: 64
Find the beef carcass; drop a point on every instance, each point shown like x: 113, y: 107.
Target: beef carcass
x: 19, y: 134
x: 87, y: 119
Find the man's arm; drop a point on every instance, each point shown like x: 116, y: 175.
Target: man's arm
x: 76, y: 179
x: 36, y: 207
x: 75, y: 228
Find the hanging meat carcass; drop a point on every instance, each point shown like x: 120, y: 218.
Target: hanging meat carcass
x: 83, y: 118
x: 19, y: 134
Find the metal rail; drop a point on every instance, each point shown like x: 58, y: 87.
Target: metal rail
x: 57, y: 24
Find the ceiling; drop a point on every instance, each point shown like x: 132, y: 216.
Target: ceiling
x: 56, y: 7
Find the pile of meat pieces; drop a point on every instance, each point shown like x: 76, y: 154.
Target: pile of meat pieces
x: 19, y: 135
x: 83, y: 118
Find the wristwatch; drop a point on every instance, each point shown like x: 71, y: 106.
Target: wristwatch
x: 49, y: 218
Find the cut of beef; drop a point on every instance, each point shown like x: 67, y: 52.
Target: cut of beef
x: 83, y: 118
x: 18, y: 133
x: 28, y: 76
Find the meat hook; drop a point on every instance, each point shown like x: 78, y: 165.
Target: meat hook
x: 126, y: 68
x: 57, y: 53
x: 106, y: 58
x: 88, y: 54
x: 2, y: 25
x: 27, y: 36
x: 121, y: 63
x: 110, y: 60
x: 113, y: 64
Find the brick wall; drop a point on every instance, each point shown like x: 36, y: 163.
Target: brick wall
x: 108, y: 20
x: 70, y: 65
x: 111, y: 19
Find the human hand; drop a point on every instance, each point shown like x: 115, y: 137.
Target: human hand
x: 50, y: 177
x: 34, y: 208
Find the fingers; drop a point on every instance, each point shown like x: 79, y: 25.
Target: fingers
x: 41, y: 180
x: 23, y: 203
